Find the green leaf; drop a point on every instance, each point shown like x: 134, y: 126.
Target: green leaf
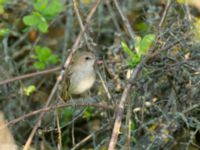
x: 88, y: 113
x: 134, y: 61
x: 44, y: 10
x: 134, y: 58
x: 40, y: 5
x: 53, y: 8
x: 4, y: 31
x: 137, y: 44
x: 31, y: 20
x: 36, y: 20
x: 146, y: 43
x: 1, y: 9
x: 28, y: 90
x: 43, y: 53
x: 142, y: 27
x: 127, y: 49
x: 43, y: 26
x: 53, y: 59
x: 2, y: 2
x: 48, y: 8
x: 39, y: 65
x: 44, y: 56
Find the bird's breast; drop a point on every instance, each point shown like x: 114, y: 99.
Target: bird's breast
x: 81, y: 81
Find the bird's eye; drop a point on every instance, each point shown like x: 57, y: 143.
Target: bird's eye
x: 87, y: 58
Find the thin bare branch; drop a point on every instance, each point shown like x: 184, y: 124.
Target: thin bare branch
x: 70, y: 104
x: 30, y: 75
x: 125, y: 20
x: 113, y: 15
x: 103, y: 128
x: 81, y: 24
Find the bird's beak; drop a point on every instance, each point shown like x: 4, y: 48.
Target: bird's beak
x: 96, y: 59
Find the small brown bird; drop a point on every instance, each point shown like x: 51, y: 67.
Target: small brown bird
x: 80, y: 76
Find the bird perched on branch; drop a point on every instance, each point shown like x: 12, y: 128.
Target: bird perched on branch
x: 80, y: 76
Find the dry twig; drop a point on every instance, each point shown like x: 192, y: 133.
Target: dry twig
x: 125, y: 20
x: 76, y: 105
x: 30, y: 75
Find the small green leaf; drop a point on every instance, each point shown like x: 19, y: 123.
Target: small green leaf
x: 53, y: 59
x: 134, y: 61
x: 40, y: 5
x: 53, y: 8
x: 134, y: 57
x: 127, y: 49
x: 2, y: 2
x: 28, y: 90
x: 146, y: 43
x: 36, y: 20
x: 1, y: 9
x: 43, y: 26
x: 42, y: 53
x: 31, y: 20
x: 44, y: 57
x: 4, y: 31
x: 142, y: 27
x: 48, y: 8
x: 137, y: 44
x: 39, y: 65
x: 88, y: 113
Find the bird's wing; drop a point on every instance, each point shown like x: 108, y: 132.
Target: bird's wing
x: 64, y: 86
